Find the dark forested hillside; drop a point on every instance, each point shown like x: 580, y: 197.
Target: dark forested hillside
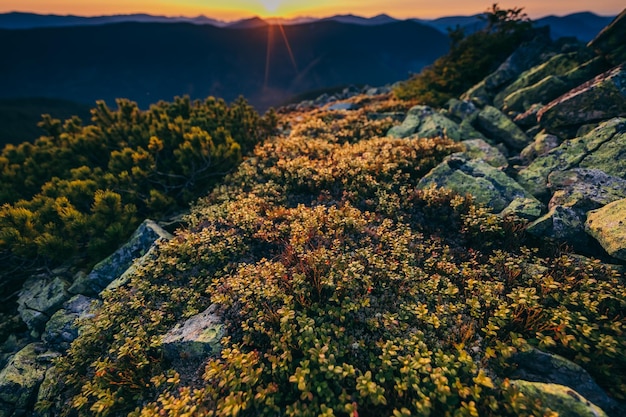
x: 146, y: 62
x: 19, y: 117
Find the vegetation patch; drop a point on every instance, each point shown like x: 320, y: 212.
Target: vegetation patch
x: 345, y: 291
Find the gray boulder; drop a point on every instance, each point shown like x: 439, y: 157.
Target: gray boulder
x: 601, y: 98
x: 538, y: 366
x: 487, y: 184
x: 524, y: 208
x: 578, y: 152
x: 558, y: 398
x: 495, y: 125
x: 39, y: 299
x: 479, y: 149
x: 550, y: 87
x: 608, y: 226
x: 197, y: 338
x: 424, y: 122
x: 20, y: 379
x: 525, y: 57
x: 575, y: 193
x: 555, y: 65
x: 542, y: 144
x: 62, y: 329
x: 114, y: 266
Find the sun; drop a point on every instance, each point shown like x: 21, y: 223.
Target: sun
x: 271, y: 5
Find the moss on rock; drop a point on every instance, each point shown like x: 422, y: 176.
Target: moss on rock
x: 608, y: 226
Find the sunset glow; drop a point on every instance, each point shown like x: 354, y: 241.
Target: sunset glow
x: 237, y: 9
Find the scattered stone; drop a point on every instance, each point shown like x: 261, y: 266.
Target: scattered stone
x: 20, y: 379
x: 424, y: 122
x: 524, y: 208
x: 494, y: 124
x: 559, y: 398
x: 601, y: 98
x: 560, y: 223
x: 487, y: 184
x: 198, y: 338
x: 61, y: 329
x: 537, y: 366
x: 523, y: 58
x: 544, y: 142
x: 479, y: 149
x: 112, y: 267
x: 461, y: 109
x: 39, y: 299
x: 608, y: 226
x: 570, y: 154
x: 342, y: 106
x: 585, y: 189
x: 558, y: 64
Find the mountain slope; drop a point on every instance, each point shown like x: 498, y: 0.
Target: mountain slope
x: 147, y: 62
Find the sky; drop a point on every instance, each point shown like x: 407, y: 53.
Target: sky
x: 238, y: 9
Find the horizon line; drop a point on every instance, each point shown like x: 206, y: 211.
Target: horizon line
x: 283, y: 18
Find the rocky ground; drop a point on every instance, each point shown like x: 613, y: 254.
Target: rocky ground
x: 544, y: 139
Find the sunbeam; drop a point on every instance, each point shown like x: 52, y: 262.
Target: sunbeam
x: 293, y: 59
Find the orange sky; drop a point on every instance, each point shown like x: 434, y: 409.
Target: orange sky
x: 237, y: 9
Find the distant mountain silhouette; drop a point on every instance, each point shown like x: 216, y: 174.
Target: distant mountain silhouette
x: 252, y: 23
x: 584, y: 26
x: 469, y: 24
x: 147, y: 62
x: 381, y: 19
x: 18, y: 20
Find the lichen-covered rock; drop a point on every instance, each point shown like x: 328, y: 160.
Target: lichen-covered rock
x: 601, y: 98
x: 487, y: 184
x: 197, y: 338
x: 560, y: 223
x: 550, y: 87
x: 39, y: 299
x: 608, y: 226
x: 556, y: 65
x: 571, y: 154
x: 113, y: 266
x: 461, y: 109
x: 523, y: 58
x: 479, y: 149
x: 543, y: 143
x: 575, y: 193
x: 20, y: 379
x: 524, y: 208
x: 610, y: 41
x: 537, y: 366
x: 61, y: 329
x: 495, y: 125
x: 559, y: 398
x: 424, y: 122
x: 585, y: 189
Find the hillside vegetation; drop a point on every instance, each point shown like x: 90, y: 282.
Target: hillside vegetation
x: 345, y: 291
x: 321, y: 269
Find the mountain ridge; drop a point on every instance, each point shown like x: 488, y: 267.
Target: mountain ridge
x: 565, y: 25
